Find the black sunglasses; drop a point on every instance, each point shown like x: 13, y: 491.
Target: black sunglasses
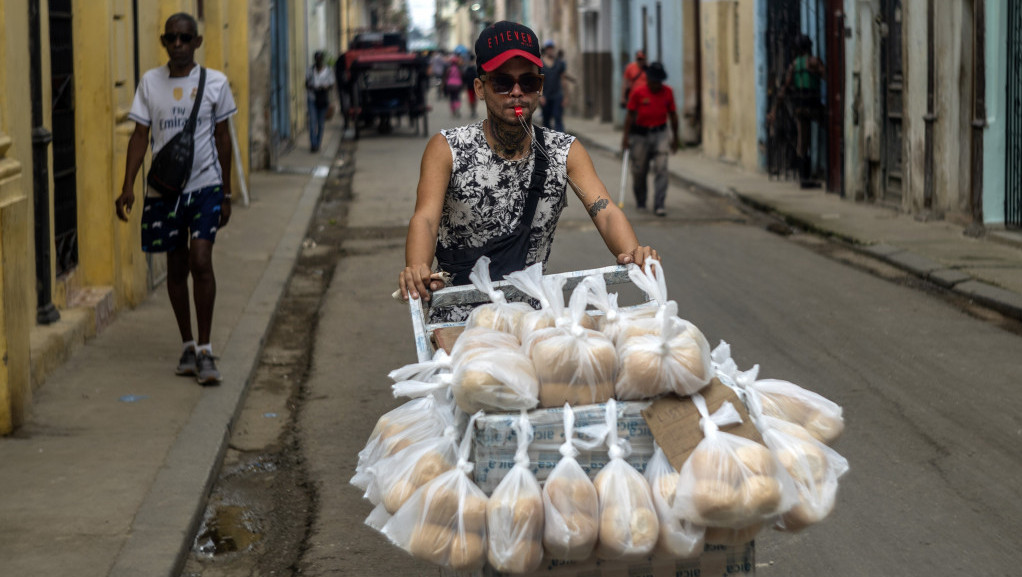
x: 171, y: 38
x: 505, y: 83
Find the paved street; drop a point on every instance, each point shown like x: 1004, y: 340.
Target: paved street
x: 927, y: 390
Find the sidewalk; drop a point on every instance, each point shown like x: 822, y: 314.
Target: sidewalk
x: 987, y: 270
x: 110, y: 475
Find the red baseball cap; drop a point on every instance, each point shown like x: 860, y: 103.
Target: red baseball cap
x: 505, y: 40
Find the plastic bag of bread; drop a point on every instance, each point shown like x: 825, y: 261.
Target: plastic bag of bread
x: 614, y: 317
x: 548, y: 291
x: 396, y: 477
x: 570, y: 502
x: 498, y: 314
x: 674, y: 359
x: 729, y: 481
x: 574, y: 364
x: 629, y: 527
x: 444, y: 521
x: 813, y: 466
x: 514, y: 513
x: 397, y: 429
x: 425, y: 378
x: 494, y: 379
x: 650, y: 279
x: 790, y: 402
x: 679, y: 538
x: 424, y: 371
x: 481, y: 339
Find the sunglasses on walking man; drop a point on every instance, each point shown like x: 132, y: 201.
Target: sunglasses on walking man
x: 505, y: 83
x: 170, y: 38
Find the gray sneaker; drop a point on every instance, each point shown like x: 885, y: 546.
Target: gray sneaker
x: 206, y: 373
x: 186, y: 365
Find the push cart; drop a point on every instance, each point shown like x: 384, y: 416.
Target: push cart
x: 716, y: 561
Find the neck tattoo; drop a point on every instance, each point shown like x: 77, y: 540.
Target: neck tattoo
x: 509, y: 141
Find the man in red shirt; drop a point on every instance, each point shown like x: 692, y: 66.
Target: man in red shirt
x: 635, y: 74
x: 645, y: 136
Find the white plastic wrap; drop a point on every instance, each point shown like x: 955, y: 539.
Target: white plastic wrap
x: 514, y: 513
x: 629, y: 527
x: 495, y: 380
x: 399, y: 428
x: 570, y: 502
x: 574, y: 364
x: 498, y: 314
x: 729, y: 481
x: 675, y: 358
x: 444, y: 521
x: 679, y: 538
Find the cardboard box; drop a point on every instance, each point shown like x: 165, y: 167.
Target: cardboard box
x: 716, y: 561
x: 674, y: 421
x: 496, y: 441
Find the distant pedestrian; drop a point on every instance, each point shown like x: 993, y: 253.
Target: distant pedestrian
x: 343, y: 77
x: 453, y: 84
x: 437, y: 66
x: 319, y: 83
x: 468, y: 77
x: 650, y: 105
x: 185, y: 228
x: 552, y: 99
x: 802, y: 86
x: 635, y: 74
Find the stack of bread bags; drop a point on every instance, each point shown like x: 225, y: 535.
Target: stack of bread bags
x: 815, y: 468
x: 729, y: 484
x: 444, y: 521
x: 574, y: 364
x: 397, y: 477
x: 514, y: 513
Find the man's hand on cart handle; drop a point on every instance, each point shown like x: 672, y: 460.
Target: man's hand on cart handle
x: 638, y: 255
x: 412, y: 283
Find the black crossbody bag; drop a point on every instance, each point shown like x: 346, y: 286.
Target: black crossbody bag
x: 508, y: 253
x: 172, y: 165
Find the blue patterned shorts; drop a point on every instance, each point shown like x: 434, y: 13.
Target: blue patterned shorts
x: 169, y: 226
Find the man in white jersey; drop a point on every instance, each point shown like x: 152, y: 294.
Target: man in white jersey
x: 496, y: 188
x: 185, y: 228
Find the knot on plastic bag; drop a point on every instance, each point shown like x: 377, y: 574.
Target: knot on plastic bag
x: 567, y: 448
x: 726, y: 415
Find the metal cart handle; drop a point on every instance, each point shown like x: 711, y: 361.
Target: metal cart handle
x: 468, y: 294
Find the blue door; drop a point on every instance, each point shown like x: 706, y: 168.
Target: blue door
x: 280, y: 110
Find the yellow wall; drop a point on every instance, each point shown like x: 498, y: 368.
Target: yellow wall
x: 729, y: 96
x: 17, y: 268
x: 104, y: 76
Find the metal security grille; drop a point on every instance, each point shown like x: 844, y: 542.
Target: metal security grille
x: 1013, y: 150
x: 65, y: 190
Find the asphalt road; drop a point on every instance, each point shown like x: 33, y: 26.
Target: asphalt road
x: 932, y: 407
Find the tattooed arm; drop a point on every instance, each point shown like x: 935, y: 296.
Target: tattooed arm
x: 612, y: 223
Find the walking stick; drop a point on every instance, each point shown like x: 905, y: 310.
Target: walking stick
x: 624, y: 179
